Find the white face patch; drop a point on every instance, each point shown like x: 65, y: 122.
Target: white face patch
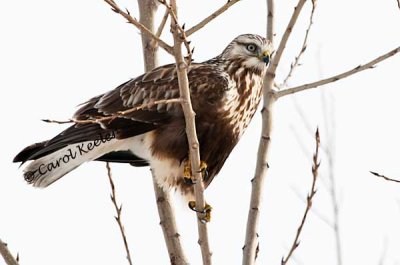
x: 255, y: 63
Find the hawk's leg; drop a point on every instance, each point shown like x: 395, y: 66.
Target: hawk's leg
x: 187, y: 171
x: 207, y: 211
x: 188, y: 178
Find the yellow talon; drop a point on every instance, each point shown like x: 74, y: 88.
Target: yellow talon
x: 203, y: 170
x: 206, y: 211
x: 187, y: 171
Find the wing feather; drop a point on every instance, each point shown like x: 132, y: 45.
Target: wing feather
x: 207, y: 84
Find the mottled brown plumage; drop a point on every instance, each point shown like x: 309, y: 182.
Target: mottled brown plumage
x: 225, y: 92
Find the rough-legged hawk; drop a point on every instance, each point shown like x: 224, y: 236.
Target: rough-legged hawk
x: 225, y: 93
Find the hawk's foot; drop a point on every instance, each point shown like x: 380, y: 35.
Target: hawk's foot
x: 187, y: 171
x: 207, y: 211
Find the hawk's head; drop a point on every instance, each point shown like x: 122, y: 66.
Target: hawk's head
x: 252, y: 50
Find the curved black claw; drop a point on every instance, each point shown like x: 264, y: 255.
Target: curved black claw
x: 206, y: 211
x: 203, y: 170
x: 188, y: 181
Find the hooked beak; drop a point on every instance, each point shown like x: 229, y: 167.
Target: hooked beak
x: 266, y: 56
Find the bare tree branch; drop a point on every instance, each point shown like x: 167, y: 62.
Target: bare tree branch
x: 147, y: 11
x: 139, y: 26
x: 6, y: 254
x: 165, y: 210
x: 384, y: 177
x: 194, y: 151
x: 296, y: 62
x: 118, y: 209
x: 257, y: 183
x: 251, y: 241
x: 119, y: 114
x: 181, y: 31
x: 168, y: 225
x: 270, y: 20
x: 250, y: 249
x: 329, y: 150
x: 398, y: 3
x: 211, y: 17
x: 328, y: 80
x: 282, y: 45
x: 309, y: 200
x: 162, y: 23
x: 58, y: 122
x: 315, y: 211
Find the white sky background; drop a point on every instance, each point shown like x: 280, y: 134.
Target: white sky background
x: 57, y: 54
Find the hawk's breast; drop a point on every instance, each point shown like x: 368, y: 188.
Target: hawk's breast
x: 242, y: 99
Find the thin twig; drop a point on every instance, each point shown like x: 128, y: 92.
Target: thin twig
x: 211, y: 17
x: 162, y: 23
x: 139, y: 26
x: 384, y: 177
x: 315, y: 211
x: 398, y: 3
x: 328, y: 80
x: 118, y: 209
x: 6, y: 254
x: 164, y: 205
x: 309, y: 200
x: 191, y: 134
x: 119, y: 113
x: 58, y: 122
x: 296, y: 63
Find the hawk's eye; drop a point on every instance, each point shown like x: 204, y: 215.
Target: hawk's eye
x: 251, y: 47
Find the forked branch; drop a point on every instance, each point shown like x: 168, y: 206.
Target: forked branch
x: 180, y: 30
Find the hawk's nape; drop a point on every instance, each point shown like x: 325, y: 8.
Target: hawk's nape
x: 225, y: 93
